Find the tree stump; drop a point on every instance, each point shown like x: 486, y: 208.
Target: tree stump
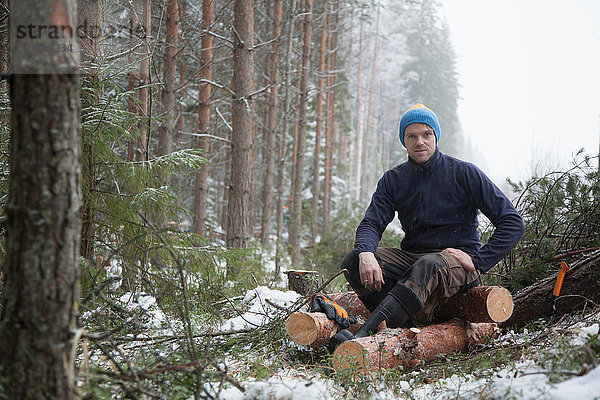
x: 409, y: 347
x: 304, y: 282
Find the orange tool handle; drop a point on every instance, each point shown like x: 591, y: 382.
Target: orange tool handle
x: 559, y: 279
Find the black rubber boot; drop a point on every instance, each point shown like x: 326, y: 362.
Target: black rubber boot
x: 396, y: 309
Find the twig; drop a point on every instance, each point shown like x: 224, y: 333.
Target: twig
x: 306, y: 298
x: 332, y: 277
x: 258, y: 91
x: 574, y: 252
x: 223, y: 119
x: 579, y: 296
x: 551, y: 372
x: 230, y: 379
x: 174, y: 367
x: 218, y: 85
x: 277, y: 306
x: 223, y: 38
x: 237, y: 36
x: 256, y: 46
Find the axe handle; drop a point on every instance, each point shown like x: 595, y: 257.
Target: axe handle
x: 560, y: 278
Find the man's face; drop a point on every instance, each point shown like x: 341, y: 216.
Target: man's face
x: 420, y: 142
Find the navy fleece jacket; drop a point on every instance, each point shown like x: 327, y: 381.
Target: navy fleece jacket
x: 437, y: 204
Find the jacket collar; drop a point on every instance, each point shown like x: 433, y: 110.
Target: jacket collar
x: 430, y: 164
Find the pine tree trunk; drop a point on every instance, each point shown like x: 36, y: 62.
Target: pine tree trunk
x: 283, y: 139
x: 132, y: 80
x: 295, y: 133
x: 141, y: 152
x: 91, y: 15
x: 319, y: 125
x: 41, y: 264
x: 364, y: 186
x: 270, y: 131
x: 165, y: 131
x: 296, y: 215
x: 241, y: 118
x: 203, y: 143
x: 330, y: 113
x: 357, y: 124
x: 4, y: 50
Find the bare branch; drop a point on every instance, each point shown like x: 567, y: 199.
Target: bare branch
x: 218, y: 85
x: 224, y: 120
x: 264, y: 43
x: 223, y: 38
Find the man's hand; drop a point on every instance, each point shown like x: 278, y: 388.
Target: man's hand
x: 463, y: 258
x: 370, y: 272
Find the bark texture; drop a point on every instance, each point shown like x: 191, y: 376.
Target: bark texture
x: 204, y: 120
x: 271, y: 125
x: 314, y: 330
x: 330, y: 111
x: 296, y: 214
x: 167, y: 127
x: 241, y: 117
x: 304, y: 282
x: 91, y: 15
x: 43, y: 229
x: 478, y: 304
x: 581, y: 283
x: 319, y: 124
x: 351, y: 303
x: 141, y: 150
x: 409, y: 347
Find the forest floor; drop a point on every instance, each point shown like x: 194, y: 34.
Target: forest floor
x: 546, y: 360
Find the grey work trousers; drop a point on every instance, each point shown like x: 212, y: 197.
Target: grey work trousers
x: 431, y: 275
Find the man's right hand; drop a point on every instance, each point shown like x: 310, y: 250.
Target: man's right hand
x: 369, y: 270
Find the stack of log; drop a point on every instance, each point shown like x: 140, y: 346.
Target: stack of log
x: 483, y: 307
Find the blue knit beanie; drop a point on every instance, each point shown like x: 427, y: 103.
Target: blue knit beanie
x: 422, y: 114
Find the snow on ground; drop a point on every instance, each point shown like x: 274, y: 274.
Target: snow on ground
x: 524, y: 380
x: 530, y: 383
x: 289, y: 385
x: 260, y: 312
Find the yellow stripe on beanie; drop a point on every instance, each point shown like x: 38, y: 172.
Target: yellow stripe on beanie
x: 419, y: 113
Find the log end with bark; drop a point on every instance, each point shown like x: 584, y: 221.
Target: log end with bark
x: 478, y: 304
x: 314, y: 329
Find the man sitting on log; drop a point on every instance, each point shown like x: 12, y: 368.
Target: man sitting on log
x: 437, y: 198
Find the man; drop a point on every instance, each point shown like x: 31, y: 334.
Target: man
x: 437, y: 198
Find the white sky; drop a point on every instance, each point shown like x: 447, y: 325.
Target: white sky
x: 530, y: 77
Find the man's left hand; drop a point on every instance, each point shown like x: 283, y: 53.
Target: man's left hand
x: 463, y: 258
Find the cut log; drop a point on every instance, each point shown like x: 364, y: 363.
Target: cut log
x: 304, y: 282
x: 581, y: 284
x: 409, y: 347
x: 351, y: 303
x: 478, y: 304
x: 314, y: 330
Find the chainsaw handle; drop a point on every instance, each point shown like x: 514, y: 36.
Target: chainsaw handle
x: 559, y: 279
